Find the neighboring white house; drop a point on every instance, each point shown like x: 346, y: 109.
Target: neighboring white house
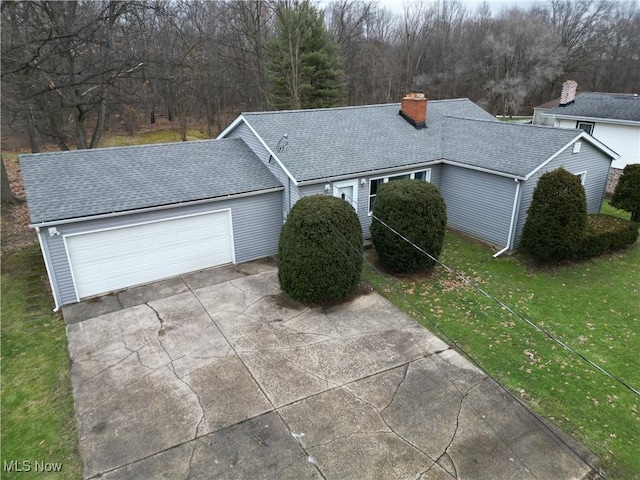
x: 612, y: 118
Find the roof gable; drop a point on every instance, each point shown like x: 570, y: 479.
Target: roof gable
x: 81, y: 183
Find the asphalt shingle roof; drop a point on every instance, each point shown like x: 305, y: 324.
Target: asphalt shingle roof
x: 339, y: 141
x: 510, y: 148
x: 602, y: 105
x: 351, y: 140
x: 79, y: 183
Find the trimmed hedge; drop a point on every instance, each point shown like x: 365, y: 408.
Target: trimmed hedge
x: 556, y: 218
x: 320, y: 250
x: 605, y: 233
x: 415, y: 209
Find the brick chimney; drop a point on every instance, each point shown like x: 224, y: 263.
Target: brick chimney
x: 414, y: 109
x: 568, y: 94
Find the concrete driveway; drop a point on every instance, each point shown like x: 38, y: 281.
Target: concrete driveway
x: 217, y: 374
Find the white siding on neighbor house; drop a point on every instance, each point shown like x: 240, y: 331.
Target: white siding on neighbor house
x: 291, y: 194
x: 589, y: 160
x: 479, y: 204
x: 256, y: 221
x: 622, y: 139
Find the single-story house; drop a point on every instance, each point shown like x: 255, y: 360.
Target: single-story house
x: 112, y: 218
x: 612, y: 118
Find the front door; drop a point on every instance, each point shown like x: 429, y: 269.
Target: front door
x: 348, y: 191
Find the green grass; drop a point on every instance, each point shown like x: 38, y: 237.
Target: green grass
x: 38, y: 422
x: 592, y: 306
x: 614, y: 212
x: 155, y: 136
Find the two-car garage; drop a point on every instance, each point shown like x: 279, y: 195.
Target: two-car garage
x: 108, y: 219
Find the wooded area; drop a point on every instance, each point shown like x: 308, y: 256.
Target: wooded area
x: 71, y: 68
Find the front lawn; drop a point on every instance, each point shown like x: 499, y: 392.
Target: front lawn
x: 592, y: 306
x: 38, y: 424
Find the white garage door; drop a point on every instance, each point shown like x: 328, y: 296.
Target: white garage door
x: 109, y: 260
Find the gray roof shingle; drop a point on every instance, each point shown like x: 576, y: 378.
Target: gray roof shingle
x: 339, y: 141
x: 602, y: 105
x: 510, y: 148
x: 352, y: 140
x: 80, y: 183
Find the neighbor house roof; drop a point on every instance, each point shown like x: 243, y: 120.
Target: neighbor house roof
x: 623, y: 107
x: 339, y: 141
x: 81, y: 183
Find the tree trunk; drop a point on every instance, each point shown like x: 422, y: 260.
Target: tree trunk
x: 5, y: 187
x: 57, y: 132
x: 33, y: 138
x: 81, y: 134
x: 97, y: 133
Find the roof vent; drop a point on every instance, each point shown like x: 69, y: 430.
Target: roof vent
x: 414, y: 109
x: 568, y: 94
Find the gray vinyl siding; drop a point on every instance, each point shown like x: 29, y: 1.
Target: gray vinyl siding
x: 590, y: 160
x: 363, y: 191
x: 478, y: 203
x: 256, y: 223
x: 363, y: 199
x: 60, y: 273
x: 291, y: 194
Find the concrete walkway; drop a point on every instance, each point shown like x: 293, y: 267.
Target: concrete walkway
x: 217, y: 374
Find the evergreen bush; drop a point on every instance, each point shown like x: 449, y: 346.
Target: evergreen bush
x: 320, y: 250
x: 556, y: 218
x: 627, y: 193
x: 416, y: 210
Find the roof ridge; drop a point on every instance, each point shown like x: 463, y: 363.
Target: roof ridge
x: 514, y: 124
x: 346, y: 107
x: 123, y: 147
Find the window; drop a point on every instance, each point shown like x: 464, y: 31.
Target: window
x: 582, y: 176
x: 424, y: 175
x: 586, y: 126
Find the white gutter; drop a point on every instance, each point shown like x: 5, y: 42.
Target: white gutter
x: 153, y: 209
x: 512, y: 223
x: 346, y: 176
x: 580, y: 118
x: 481, y: 169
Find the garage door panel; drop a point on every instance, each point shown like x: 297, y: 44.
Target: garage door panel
x: 114, y: 259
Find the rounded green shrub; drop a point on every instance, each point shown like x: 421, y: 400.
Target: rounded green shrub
x: 627, y: 193
x: 320, y: 250
x: 416, y: 210
x: 557, y: 217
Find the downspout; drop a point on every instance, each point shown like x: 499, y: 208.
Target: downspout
x: 46, y: 266
x: 513, y: 221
